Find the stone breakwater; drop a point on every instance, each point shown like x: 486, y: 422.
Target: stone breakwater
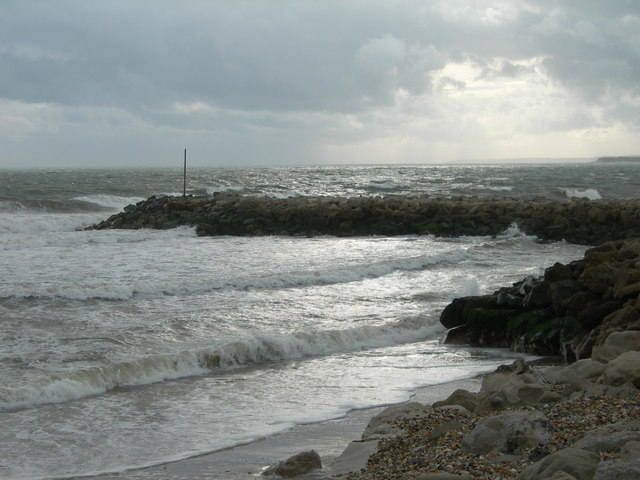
x: 576, y: 220
x: 570, y: 311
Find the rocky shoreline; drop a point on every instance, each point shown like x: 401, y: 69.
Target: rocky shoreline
x: 575, y: 220
x: 570, y: 311
x: 577, y: 418
x: 575, y: 422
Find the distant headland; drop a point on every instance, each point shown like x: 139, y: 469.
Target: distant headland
x: 627, y: 158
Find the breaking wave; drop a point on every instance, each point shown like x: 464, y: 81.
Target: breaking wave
x: 109, y: 201
x: 589, y: 193
x: 256, y: 350
x: 107, y: 289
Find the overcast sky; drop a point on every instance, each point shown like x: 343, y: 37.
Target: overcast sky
x: 237, y: 82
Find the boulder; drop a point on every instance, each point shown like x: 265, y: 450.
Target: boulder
x: 299, y: 464
x: 379, y: 426
x: 609, y: 437
x: 460, y: 397
x: 460, y: 309
x: 581, y: 370
x: 628, y: 340
x: 625, y: 368
x: 588, y: 389
x: 551, y: 374
x: 619, y: 320
x: 631, y: 450
x: 592, y: 316
x: 606, y: 353
x: 618, y: 470
x: 501, y: 390
x: 616, y: 344
x: 354, y: 457
x: 561, y: 292
x: 580, y: 464
x: 508, y: 433
x: 538, y: 296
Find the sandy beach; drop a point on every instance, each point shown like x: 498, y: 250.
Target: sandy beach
x: 329, y: 439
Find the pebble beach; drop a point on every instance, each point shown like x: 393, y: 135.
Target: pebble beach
x: 432, y: 444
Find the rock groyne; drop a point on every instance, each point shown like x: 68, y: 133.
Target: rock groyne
x: 571, y: 311
x: 577, y: 220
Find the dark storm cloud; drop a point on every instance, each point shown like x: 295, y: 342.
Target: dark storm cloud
x: 336, y: 56
x: 340, y: 67
x: 247, y: 55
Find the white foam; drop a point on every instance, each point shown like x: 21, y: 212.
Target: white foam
x: 99, y: 380
x: 253, y: 350
x: 589, y: 193
x: 470, y: 287
x: 263, y: 348
x: 513, y: 231
x: 106, y: 288
x: 385, y: 186
x: 38, y: 223
x: 109, y: 201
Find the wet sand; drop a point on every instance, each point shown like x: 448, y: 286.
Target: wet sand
x: 245, y: 462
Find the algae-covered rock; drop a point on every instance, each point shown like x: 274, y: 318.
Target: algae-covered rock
x: 568, y: 312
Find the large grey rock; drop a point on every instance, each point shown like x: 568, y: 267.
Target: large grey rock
x: 618, y: 470
x: 625, y: 368
x: 354, y: 457
x: 460, y: 397
x: 551, y: 374
x: 629, y: 340
x: 606, y: 353
x: 575, y: 462
x: 497, y: 382
x: 581, y: 370
x: 587, y: 388
x: 508, y: 433
x: 501, y: 390
x: 379, y: 425
x: 609, y: 437
x: 630, y: 451
x: 297, y: 465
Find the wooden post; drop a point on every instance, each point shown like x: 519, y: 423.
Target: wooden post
x: 184, y: 185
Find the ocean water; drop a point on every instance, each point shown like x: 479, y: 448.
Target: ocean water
x: 122, y: 349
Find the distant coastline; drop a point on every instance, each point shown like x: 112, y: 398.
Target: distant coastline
x: 628, y: 158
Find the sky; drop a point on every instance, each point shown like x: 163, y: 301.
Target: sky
x: 86, y: 83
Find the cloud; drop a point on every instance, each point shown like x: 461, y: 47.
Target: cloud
x: 303, y: 76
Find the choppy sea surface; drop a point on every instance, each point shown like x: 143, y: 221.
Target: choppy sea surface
x: 121, y: 349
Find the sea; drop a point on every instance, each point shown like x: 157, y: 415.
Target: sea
x: 121, y: 349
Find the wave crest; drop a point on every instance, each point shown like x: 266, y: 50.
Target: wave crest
x: 110, y: 290
x: 109, y: 201
x: 589, y: 193
x: 252, y: 351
